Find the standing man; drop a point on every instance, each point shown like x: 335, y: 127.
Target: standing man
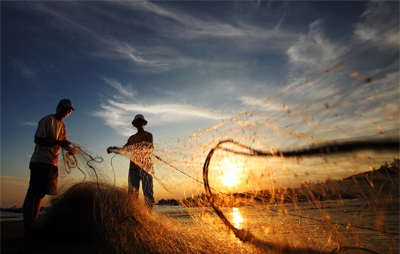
x: 49, y: 137
x: 141, y: 163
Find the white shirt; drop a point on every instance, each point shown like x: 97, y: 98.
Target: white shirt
x: 51, y: 129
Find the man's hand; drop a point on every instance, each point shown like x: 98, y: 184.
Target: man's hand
x: 72, y: 151
x: 109, y: 150
x: 64, y: 143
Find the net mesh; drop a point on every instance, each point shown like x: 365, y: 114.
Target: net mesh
x: 311, y: 169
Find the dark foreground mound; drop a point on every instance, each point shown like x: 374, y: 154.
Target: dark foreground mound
x: 114, y: 223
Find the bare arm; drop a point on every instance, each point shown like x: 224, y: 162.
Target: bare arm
x: 133, y: 140
x: 65, y: 144
x: 114, y: 149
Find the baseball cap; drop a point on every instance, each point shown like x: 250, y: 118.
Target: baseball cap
x: 65, y: 103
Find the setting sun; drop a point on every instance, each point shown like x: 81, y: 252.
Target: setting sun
x: 230, y: 172
x: 229, y: 179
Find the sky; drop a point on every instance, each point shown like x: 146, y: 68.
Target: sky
x: 184, y: 65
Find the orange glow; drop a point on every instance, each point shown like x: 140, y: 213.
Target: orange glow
x: 237, y: 219
x: 229, y: 179
x: 230, y: 172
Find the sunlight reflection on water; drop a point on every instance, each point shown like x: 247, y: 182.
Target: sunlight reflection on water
x: 237, y: 218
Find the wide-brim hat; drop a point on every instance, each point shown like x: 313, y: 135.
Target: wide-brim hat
x: 137, y: 117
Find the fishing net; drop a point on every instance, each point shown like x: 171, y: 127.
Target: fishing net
x: 310, y: 169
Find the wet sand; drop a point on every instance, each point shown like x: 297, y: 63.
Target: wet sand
x: 13, y: 242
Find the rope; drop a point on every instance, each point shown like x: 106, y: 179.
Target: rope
x: 158, y: 158
x: 99, y: 160
x: 318, y: 150
x: 112, y: 167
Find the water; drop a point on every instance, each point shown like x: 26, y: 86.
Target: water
x: 354, y: 222
x: 15, y: 216
x: 10, y: 216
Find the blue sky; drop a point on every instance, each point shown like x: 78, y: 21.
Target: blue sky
x: 185, y: 65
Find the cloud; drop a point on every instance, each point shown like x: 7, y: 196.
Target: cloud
x: 116, y: 115
x: 186, y: 32
x: 125, y: 92
x: 23, y: 69
x: 104, y: 44
x: 114, y: 118
x: 261, y: 103
x: 379, y: 23
x: 195, y: 27
x: 204, y: 26
x: 170, y: 27
x: 251, y: 101
x: 126, y: 50
x: 29, y: 123
x: 146, y: 56
x: 314, y: 50
x: 175, y: 111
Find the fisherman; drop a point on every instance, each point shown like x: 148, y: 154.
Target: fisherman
x: 49, y: 137
x: 141, y: 165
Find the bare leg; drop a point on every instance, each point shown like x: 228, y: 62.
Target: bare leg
x: 28, y: 211
x: 31, y: 210
x: 36, y: 207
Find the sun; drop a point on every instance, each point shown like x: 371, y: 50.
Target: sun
x: 229, y: 178
x: 230, y: 172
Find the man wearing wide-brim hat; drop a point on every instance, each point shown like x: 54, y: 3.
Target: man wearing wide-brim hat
x: 141, y: 166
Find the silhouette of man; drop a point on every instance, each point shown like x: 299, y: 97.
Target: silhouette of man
x: 141, y: 164
x: 49, y: 137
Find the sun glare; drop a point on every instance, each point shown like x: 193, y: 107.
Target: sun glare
x: 229, y: 179
x: 237, y: 218
x: 231, y: 172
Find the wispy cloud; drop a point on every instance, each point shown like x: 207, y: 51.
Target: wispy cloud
x: 23, y: 68
x: 176, y: 111
x: 112, y: 116
x: 29, y: 123
x: 145, y: 51
x: 314, y: 50
x: 379, y: 23
x: 193, y: 28
x: 116, y: 115
x: 127, y: 92
x: 261, y: 103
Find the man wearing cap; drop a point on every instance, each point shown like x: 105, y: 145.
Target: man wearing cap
x: 49, y: 137
x: 141, y: 165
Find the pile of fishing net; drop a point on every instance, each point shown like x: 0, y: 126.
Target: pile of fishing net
x: 107, y: 217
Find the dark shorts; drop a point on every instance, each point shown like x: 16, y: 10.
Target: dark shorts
x: 44, y: 178
x: 135, y: 175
